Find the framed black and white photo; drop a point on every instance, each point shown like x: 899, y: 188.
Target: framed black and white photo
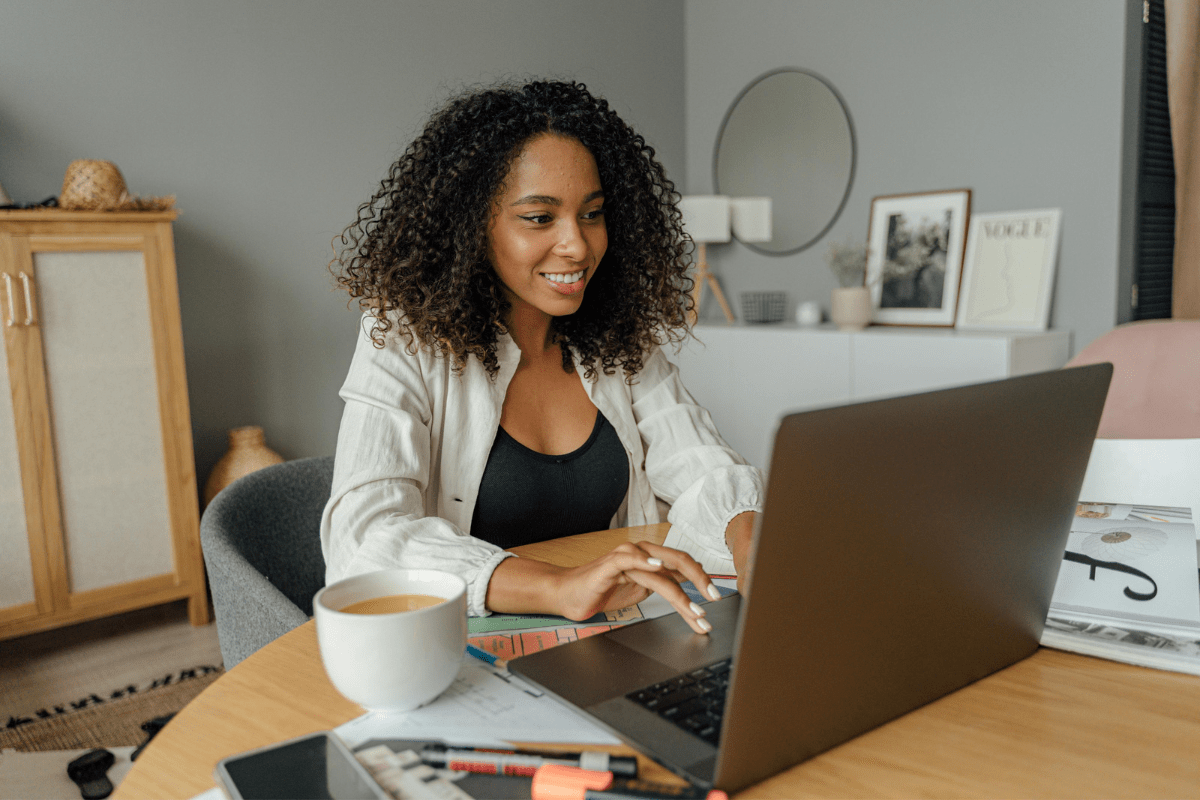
x: 1008, y: 275
x: 916, y: 256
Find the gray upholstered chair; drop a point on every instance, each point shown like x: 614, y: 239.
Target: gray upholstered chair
x: 262, y: 548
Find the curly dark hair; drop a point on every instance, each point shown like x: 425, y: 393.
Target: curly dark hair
x: 416, y: 257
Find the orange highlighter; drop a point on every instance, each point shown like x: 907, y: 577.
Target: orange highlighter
x: 557, y: 782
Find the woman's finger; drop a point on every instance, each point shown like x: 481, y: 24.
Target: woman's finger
x: 684, y: 564
x: 618, y: 561
x: 673, y: 594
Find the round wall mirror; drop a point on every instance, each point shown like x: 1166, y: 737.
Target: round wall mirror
x: 788, y: 136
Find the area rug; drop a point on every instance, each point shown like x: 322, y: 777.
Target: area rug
x: 109, y: 719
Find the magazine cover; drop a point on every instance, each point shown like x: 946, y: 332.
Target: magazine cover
x: 1129, y: 585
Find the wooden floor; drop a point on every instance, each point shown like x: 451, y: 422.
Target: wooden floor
x: 64, y: 666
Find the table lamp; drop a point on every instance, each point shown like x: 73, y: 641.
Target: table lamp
x: 712, y: 219
x: 751, y: 218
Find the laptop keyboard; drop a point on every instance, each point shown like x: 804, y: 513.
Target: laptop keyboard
x: 694, y: 702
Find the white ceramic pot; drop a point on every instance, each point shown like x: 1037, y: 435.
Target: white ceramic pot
x: 850, y: 309
x: 396, y: 661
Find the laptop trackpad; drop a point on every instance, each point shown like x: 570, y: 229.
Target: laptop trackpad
x: 671, y: 641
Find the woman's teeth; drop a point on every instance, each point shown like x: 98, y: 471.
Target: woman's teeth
x: 570, y: 277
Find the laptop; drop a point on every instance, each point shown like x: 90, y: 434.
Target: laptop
x: 907, y: 548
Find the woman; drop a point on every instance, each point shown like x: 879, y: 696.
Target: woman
x: 518, y: 269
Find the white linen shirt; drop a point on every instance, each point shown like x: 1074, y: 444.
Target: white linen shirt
x: 415, y: 438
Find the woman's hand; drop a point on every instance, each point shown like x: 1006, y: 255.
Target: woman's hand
x: 629, y: 574
x: 626, y: 575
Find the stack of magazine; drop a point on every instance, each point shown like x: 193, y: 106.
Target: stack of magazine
x: 1129, y: 585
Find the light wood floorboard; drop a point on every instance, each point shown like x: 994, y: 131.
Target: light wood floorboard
x: 62, y: 666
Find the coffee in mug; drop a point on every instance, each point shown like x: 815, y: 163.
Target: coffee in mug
x: 382, y: 653
x: 392, y: 604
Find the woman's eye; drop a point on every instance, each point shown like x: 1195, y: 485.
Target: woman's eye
x: 596, y: 213
x: 537, y: 219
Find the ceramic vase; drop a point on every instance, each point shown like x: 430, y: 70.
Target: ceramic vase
x: 808, y: 314
x: 248, y: 452
x: 850, y: 308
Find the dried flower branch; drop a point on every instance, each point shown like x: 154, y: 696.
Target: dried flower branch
x: 848, y: 262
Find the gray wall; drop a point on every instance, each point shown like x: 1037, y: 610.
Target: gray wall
x: 271, y: 122
x: 1020, y: 101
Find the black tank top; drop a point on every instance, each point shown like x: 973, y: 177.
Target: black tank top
x: 527, y: 497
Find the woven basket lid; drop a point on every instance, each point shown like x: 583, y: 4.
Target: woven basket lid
x: 91, y: 185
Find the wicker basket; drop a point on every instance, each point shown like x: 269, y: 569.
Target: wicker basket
x: 763, y: 307
x: 91, y: 185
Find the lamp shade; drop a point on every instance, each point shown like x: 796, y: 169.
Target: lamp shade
x: 751, y: 218
x: 706, y: 217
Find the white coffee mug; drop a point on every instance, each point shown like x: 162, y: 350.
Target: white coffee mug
x: 392, y: 661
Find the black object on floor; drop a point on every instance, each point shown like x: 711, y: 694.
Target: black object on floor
x: 88, y: 771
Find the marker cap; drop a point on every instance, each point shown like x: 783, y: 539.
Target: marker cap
x: 557, y: 782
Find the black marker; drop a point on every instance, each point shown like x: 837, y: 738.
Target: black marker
x: 491, y: 761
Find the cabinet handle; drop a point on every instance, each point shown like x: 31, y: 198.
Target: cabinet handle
x: 12, y: 311
x: 25, y: 284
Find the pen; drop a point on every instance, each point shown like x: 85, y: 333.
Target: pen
x: 554, y: 782
x: 490, y: 761
x: 484, y: 655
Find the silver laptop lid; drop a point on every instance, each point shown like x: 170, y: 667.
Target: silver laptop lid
x: 908, y: 547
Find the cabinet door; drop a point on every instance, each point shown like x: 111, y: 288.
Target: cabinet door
x: 95, y: 445
x: 101, y: 386
x: 17, y: 598
x: 26, y: 572
x: 895, y: 362
x: 888, y: 363
x: 749, y: 377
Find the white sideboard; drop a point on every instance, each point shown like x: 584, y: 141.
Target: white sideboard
x: 748, y: 376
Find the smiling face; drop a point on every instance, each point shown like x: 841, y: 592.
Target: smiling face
x: 547, y: 235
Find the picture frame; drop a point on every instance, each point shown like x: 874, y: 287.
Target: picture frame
x: 1008, y: 274
x: 915, y: 257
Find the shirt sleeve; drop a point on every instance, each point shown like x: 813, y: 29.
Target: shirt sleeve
x: 690, y: 466
x: 377, y: 517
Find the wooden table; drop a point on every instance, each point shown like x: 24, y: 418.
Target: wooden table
x: 1053, y: 725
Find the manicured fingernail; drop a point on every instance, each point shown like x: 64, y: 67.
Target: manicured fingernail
x: 654, y: 562
x: 704, y: 624
x: 697, y: 610
x: 713, y: 592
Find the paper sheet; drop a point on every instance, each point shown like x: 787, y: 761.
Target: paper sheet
x: 1156, y: 472
x: 215, y: 793
x: 484, y: 706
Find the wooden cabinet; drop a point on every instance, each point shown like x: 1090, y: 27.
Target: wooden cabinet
x: 98, y: 506
x: 748, y: 376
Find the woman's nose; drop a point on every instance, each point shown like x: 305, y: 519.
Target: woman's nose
x: 571, y: 243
